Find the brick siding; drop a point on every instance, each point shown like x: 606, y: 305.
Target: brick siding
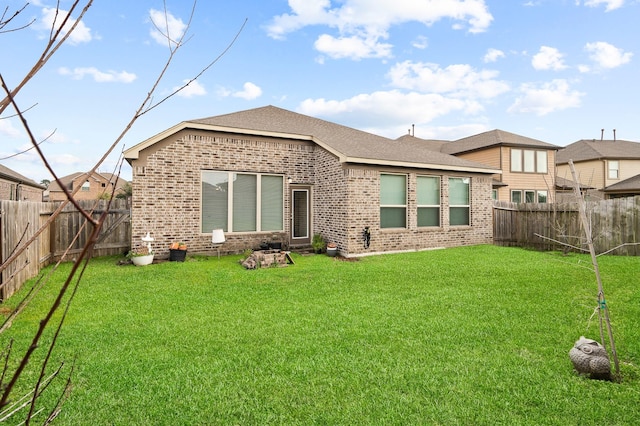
x: 345, y: 198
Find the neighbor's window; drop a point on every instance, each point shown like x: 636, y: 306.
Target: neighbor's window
x: 516, y: 196
x: 542, y: 196
x: 459, y: 201
x: 529, y: 196
x: 86, y: 186
x: 428, y: 201
x: 614, y: 169
x: 242, y: 202
x: 528, y: 161
x: 393, y: 201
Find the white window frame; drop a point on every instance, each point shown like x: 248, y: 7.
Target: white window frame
x: 467, y: 206
x: 437, y: 207
x: 258, y: 220
x: 395, y: 206
x: 613, y: 169
x: 529, y: 160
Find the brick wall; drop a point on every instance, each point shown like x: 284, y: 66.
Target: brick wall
x: 8, y: 191
x: 345, y: 198
x: 167, y: 185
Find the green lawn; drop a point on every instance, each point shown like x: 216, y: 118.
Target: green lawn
x: 472, y: 335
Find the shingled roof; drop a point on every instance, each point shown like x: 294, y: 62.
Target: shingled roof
x: 591, y: 149
x: 493, y: 138
x: 14, y: 176
x: 348, y: 144
x: 631, y: 185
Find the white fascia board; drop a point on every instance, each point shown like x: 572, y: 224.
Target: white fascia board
x: 423, y: 166
x: 134, y: 152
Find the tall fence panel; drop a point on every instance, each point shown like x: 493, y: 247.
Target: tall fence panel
x: 615, y: 225
x: 63, y: 239
x: 19, y: 222
x: 71, y: 231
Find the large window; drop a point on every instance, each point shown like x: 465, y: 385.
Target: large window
x: 614, y: 169
x: 528, y: 161
x: 459, y: 201
x: 393, y: 201
x: 242, y: 202
x: 428, y: 201
x: 530, y: 196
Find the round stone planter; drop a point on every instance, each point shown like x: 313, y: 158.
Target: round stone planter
x: 142, y: 260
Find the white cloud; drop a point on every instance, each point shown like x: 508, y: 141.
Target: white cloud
x: 391, y: 110
x: 545, y: 98
x: 166, y: 27
x: 611, y: 4
x: 193, y: 89
x: 421, y: 42
x: 98, y: 76
x: 370, y: 21
x: 457, y: 80
x: 607, y: 55
x: 353, y: 47
x: 493, y: 55
x: 548, y: 58
x: 250, y: 91
x: 52, y: 17
x: 7, y: 128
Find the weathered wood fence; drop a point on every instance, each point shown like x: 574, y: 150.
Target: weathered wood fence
x: 615, y: 225
x: 63, y: 239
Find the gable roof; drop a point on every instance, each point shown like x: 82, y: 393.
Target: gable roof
x: 68, y: 180
x: 591, y: 149
x: 8, y: 174
x: 348, y: 144
x: 493, y: 138
x: 628, y: 185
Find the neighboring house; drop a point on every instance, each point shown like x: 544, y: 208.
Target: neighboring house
x: 14, y: 186
x: 527, y: 164
x: 92, y: 187
x: 610, y: 167
x: 271, y: 175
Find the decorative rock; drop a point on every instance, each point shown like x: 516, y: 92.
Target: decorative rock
x: 590, y: 357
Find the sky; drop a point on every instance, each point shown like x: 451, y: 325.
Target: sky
x: 553, y: 70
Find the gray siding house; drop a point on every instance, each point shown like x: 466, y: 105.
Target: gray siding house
x: 269, y: 175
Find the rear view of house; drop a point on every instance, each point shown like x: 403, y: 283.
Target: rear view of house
x: 269, y: 175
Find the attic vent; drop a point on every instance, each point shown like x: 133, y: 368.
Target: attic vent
x: 141, y: 170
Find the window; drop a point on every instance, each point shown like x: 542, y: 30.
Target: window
x: 614, y: 169
x: 516, y: 196
x: 542, y: 196
x: 459, y: 201
x: 242, y: 202
x: 528, y: 161
x: 529, y: 196
x: 428, y: 201
x: 86, y: 186
x: 494, y: 194
x: 393, y: 201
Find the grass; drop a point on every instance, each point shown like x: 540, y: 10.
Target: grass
x: 472, y: 335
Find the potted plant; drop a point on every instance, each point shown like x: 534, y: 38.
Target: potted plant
x: 177, y: 252
x: 317, y: 243
x: 332, y: 249
x: 140, y: 256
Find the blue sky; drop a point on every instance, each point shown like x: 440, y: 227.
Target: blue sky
x: 553, y: 70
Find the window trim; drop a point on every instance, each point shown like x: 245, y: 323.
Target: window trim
x: 540, y: 165
x: 398, y: 206
x: 467, y: 206
x: 611, y: 169
x: 228, y: 229
x: 429, y: 206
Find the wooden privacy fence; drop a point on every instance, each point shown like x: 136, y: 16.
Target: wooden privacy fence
x: 63, y: 239
x: 614, y: 223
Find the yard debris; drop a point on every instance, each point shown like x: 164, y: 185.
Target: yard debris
x: 267, y: 259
